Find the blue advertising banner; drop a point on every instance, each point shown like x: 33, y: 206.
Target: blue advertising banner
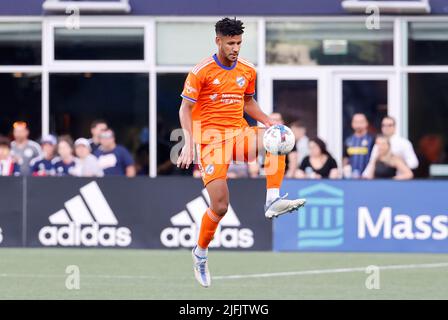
x: 373, y: 216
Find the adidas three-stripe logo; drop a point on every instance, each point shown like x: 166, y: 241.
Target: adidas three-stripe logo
x: 100, y: 210
x: 79, y: 223
x: 187, y: 224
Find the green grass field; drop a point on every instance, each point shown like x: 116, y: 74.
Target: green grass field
x: 151, y: 274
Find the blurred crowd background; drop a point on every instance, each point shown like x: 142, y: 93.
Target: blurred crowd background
x: 367, y: 155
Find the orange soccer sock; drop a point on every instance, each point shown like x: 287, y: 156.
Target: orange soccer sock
x: 210, y: 222
x: 274, y: 166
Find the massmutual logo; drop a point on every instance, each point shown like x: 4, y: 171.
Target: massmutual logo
x: 321, y: 221
x: 87, y: 220
x: 187, y: 223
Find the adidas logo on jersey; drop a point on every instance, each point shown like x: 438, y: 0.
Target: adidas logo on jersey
x: 216, y: 81
x: 76, y: 225
x: 187, y: 224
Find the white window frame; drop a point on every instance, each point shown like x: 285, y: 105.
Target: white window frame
x: 336, y: 115
x: 97, y: 65
x: 271, y: 74
x: 147, y: 65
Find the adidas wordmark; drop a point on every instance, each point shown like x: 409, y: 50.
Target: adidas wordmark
x: 76, y: 225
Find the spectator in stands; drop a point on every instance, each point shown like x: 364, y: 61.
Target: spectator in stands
x: 8, y: 165
x: 319, y: 163
x: 430, y: 151
x: 96, y: 128
x: 357, y: 147
x: 65, y: 163
x: 114, y: 159
x: 400, y: 146
x: 302, y: 140
x: 22, y: 148
x: 388, y: 165
x: 87, y: 164
x: 43, y: 165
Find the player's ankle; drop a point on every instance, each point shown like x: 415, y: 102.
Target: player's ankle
x: 271, y: 195
x: 200, y: 252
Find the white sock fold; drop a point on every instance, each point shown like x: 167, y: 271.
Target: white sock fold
x: 202, y: 253
x: 271, y: 195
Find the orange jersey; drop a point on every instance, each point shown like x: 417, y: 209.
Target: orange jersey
x: 218, y: 93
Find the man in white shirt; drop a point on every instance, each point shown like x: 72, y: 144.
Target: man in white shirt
x: 400, y: 146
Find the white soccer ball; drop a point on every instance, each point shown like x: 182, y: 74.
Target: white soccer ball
x: 278, y: 139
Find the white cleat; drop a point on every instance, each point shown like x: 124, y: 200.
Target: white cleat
x: 281, y: 206
x: 201, y: 272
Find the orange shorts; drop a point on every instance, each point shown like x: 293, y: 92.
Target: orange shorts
x: 214, y: 159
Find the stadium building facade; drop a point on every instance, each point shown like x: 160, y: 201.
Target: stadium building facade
x: 66, y: 63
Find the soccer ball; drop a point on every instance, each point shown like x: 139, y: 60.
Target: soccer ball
x: 278, y: 139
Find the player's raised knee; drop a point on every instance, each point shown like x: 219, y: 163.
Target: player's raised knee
x: 221, y: 208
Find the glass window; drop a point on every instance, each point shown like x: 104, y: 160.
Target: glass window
x: 169, y: 88
x: 21, y: 101
x: 428, y: 43
x: 122, y: 99
x: 99, y: 44
x: 20, y: 43
x: 196, y: 41
x: 328, y: 43
x: 428, y: 118
x: 287, y: 93
x: 363, y: 96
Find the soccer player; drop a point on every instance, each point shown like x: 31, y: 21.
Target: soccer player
x: 216, y: 94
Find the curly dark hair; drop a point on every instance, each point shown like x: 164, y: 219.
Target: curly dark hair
x: 229, y: 27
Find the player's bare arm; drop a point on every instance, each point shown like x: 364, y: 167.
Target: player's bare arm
x: 252, y: 108
x: 187, y: 154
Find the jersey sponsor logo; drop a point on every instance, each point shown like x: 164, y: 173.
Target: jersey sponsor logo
x: 357, y: 151
x: 87, y: 220
x: 187, y: 223
x: 28, y: 152
x: 107, y: 161
x: 213, y: 96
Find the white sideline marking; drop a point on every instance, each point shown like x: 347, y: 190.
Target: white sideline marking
x: 329, y: 271
x: 240, y: 276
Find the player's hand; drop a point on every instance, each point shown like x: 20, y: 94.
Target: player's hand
x: 268, y: 123
x: 186, y: 156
